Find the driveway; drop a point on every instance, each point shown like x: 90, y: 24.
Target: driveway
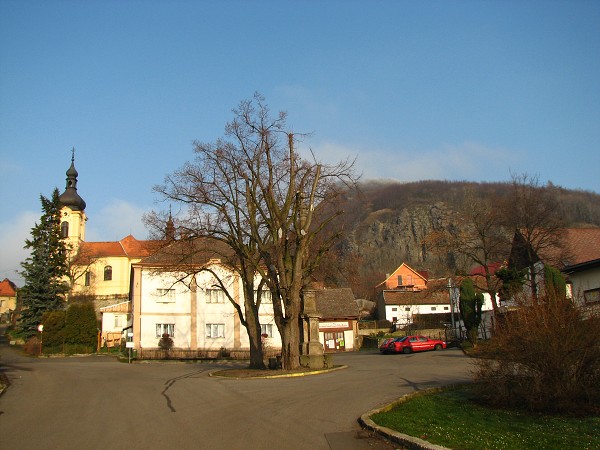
x: 97, y: 402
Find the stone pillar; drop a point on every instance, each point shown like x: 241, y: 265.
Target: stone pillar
x: 311, y: 349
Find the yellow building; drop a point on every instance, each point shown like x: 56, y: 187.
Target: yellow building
x: 8, y: 300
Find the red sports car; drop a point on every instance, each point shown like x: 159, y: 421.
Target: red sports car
x: 409, y: 344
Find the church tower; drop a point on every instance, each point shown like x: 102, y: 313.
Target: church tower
x: 73, y: 209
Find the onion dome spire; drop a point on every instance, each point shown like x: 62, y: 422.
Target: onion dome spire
x: 70, y: 197
x: 170, y: 228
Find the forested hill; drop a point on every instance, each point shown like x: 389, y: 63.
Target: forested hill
x: 387, y: 223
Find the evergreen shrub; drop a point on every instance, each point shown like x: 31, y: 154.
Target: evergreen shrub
x: 81, y: 326
x: 54, y: 331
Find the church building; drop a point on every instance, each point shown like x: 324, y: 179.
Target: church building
x: 99, y: 271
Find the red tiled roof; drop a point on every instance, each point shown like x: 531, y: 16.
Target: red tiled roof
x: 195, y: 252
x: 7, y: 288
x: 139, y: 249
x: 128, y: 246
x: 336, y: 303
x: 582, y: 245
x: 101, y: 249
x: 480, y: 270
x: 426, y: 297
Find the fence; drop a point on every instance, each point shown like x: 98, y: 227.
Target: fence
x: 111, y: 339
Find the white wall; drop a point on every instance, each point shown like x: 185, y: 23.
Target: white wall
x: 584, y: 281
x: 405, y: 313
x: 109, y: 322
x: 156, y: 309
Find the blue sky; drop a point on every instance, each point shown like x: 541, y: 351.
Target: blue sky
x: 462, y: 90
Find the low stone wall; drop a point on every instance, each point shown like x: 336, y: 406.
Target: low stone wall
x: 175, y: 353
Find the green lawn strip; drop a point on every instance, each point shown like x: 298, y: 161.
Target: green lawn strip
x: 452, y: 420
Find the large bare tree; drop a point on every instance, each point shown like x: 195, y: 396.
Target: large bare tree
x: 252, y: 191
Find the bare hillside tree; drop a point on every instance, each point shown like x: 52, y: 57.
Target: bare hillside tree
x: 532, y: 212
x: 478, y: 235
x: 252, y: 191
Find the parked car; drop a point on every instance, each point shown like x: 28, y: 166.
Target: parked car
x: 409, y: 344
x: 385, y: 345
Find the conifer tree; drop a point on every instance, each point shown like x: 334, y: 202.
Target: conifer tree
x: 45, y: 270
x: 470, y: 306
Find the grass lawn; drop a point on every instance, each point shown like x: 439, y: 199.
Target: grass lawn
x: 451, y: 419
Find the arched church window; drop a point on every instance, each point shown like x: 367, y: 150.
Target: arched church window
x: 107, y: 273
x: 64, y: 229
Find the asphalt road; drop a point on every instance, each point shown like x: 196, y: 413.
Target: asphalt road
x: 97, y: 402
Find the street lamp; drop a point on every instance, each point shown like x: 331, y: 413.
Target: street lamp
x: 41, y: 330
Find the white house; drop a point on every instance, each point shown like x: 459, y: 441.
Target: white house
x: 401, y: 307
x: 433, y: 306
x: 115, y: 319
x: 584, y: 284
x: 176, y: 292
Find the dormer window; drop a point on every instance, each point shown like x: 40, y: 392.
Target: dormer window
x: 107, y: 273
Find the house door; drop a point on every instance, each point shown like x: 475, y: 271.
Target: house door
x: 334, y: 341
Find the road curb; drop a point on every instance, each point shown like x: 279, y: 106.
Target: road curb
x: 283, y: 375
x: 4, y: 382
x: 395, y: 436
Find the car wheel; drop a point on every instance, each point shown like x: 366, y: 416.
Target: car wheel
x: 406, y: 350
x: 437, y: 347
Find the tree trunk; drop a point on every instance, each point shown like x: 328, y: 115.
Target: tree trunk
x: 472, y: 336
x: 254, y: 335
x: 290, y: 343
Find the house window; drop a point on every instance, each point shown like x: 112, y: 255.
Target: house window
x: 394, y: 309
x: 107, y: 273
x: 215, y: 330
x: 266, y: 329
x: 87, y: 280
x: 215, y: 296
x: 64, y: 229
x: 165, y: 328
x: 165, y: 295
x: 433, y: 308
x: 118, y: 321
x: 407, y: 308
x: 446, y: 308
x: 399, y: 280
x: 591, y: 296
x: 265, y: 296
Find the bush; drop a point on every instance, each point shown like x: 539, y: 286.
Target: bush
x: 544, y: 357
x: 166, y: 342
x: 81, y: 325
x: 54, y: 329
x: 32, y: 346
